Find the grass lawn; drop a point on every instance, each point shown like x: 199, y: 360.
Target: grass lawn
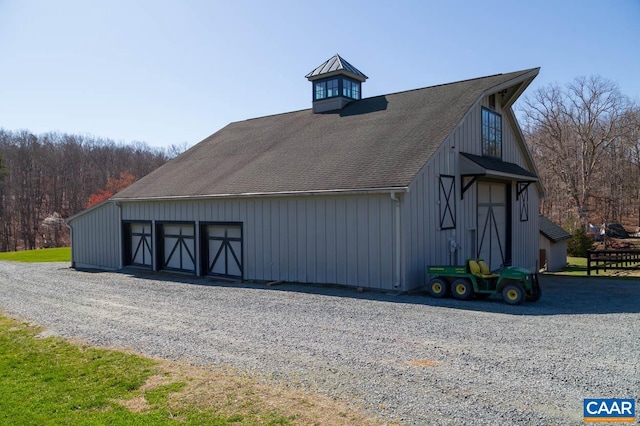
x: 60, y: 254
x: 49, y: 381
x: 577, y: 266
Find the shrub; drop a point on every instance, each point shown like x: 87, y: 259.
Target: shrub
x: 579, y: 243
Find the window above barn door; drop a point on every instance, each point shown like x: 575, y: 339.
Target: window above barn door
x: 491, y: 133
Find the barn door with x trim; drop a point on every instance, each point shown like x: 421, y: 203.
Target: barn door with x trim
x: 492, y: 223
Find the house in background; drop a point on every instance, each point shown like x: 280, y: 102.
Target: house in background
x: 553, y: 245
x: 356, y: 191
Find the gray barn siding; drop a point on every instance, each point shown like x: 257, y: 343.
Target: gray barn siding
x: 424, y: 242
x: 525, y: 246
x: 525, y: 234
x: 556, y: 253
x: 95, y: 238
x: 317, y: 239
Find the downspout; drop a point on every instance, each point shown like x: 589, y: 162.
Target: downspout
x: 120, y: 251
x: 73, y: 262
x: 398, y: 258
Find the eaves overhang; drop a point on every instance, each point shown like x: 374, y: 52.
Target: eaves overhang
x: 511, y: 90
x: 555, y: 239
x: 363, y: 191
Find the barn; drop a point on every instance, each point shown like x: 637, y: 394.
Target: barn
x: 355, y: 191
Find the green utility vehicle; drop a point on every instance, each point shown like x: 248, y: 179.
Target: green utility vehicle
x: 475, y: 279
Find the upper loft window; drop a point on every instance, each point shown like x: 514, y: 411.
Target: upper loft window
x: 491, y: 133
x: 350, y: 89
x: 336, y: 87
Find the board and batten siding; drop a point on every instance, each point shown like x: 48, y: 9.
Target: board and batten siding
x: 313, y: 239
x: 525, y: 241
x: 556, y: 253
x: 96, y: 238
x: 424, y: 243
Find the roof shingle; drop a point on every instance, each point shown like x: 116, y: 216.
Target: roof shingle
x: 374, y: 143
x: 552, y: 231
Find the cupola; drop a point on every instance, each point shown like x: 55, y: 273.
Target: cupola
x: 335, y: 83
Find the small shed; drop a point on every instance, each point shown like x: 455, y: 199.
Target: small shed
x: 553, y: 245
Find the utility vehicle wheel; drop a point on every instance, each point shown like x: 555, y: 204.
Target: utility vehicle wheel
x: 462, y: 289
x: 513, y: 294
x: 534, y: 296
x: 438, y: 287
x: 536, y: 291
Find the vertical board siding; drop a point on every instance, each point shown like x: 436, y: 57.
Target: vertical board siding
x: 314, y: 239
x: 341, y: 241
x: 557, y: 256
x: 95, y: 238
x: 331, y: 241
x: 338, y: 239
x: 424, y: 243
x: 526, y: 247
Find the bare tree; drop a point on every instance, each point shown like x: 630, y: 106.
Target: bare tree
x: 51, y: 176
x: 632, y: 140
x: 573, y: 129
x: 4, y: 213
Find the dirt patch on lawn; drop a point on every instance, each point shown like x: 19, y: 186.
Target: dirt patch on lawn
x: 228, y: 393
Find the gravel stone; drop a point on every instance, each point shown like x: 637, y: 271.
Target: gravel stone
x: 403, y: 357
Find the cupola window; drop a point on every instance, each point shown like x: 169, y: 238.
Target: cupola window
x: 350, y: 89
x: 332, y: 88
x: 321, y: 90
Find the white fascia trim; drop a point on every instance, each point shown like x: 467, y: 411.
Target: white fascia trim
x: 271, y: 194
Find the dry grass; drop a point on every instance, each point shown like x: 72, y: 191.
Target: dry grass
x: 228, y: 393
x: 90, y: 385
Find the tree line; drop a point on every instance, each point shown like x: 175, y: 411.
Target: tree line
x: 49, y: 177
x: 585, y: 139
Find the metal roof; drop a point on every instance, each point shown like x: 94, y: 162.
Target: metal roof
x: 336, y: 65
x: 494, y: 166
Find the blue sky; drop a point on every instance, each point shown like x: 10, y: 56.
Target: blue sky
x: 174, y: 72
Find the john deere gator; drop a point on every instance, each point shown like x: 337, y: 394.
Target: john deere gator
x: 474, y: 279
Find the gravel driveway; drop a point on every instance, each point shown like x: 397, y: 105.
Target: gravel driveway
x: 407, y: 358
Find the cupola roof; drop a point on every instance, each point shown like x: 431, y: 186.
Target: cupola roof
x: 334, y: 66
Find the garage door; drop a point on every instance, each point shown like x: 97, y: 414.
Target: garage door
x: 222, y: 250
x: 178, y: 247
x: 140, y: 244
x: 492, y: 223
